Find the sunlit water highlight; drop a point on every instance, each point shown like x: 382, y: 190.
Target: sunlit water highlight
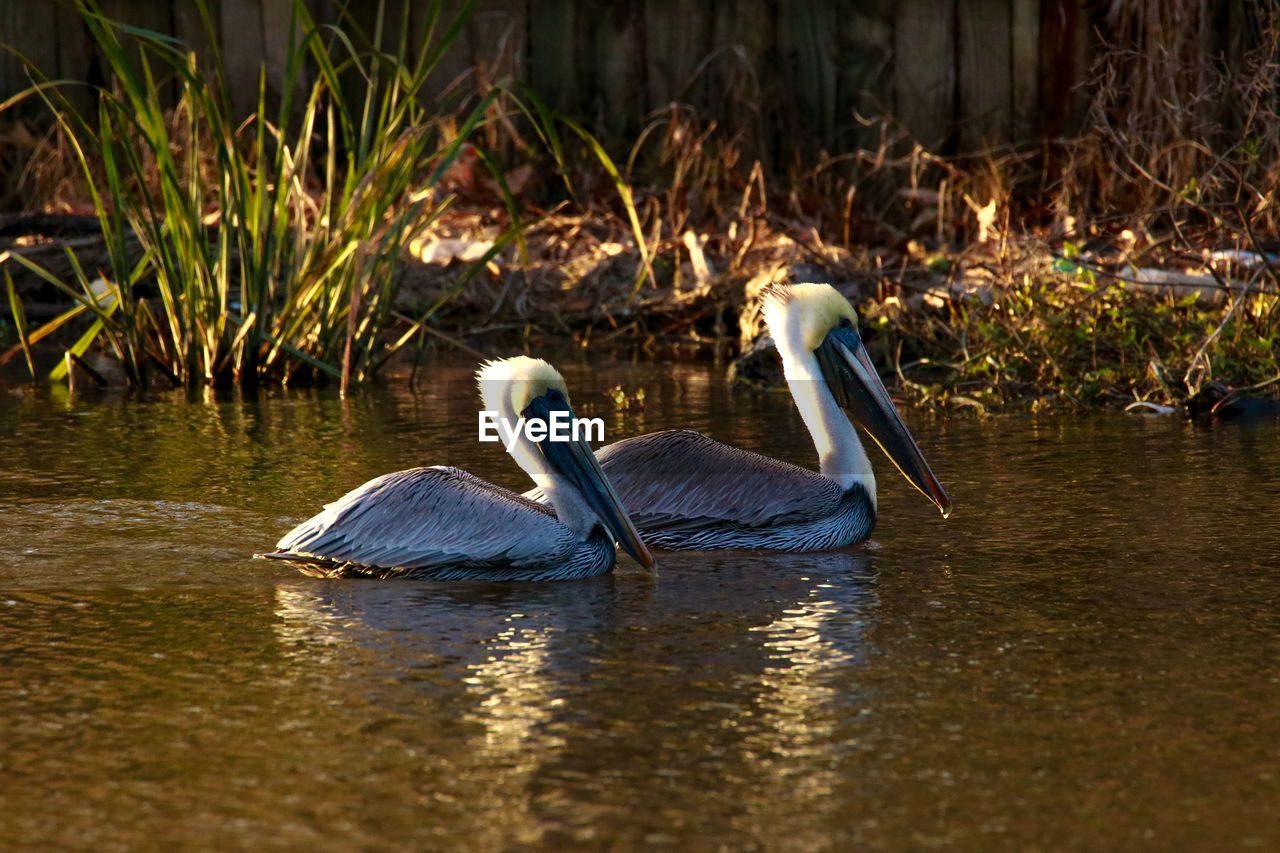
x: 1083, y: 656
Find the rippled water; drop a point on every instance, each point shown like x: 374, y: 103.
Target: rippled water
x: 1083, y: 656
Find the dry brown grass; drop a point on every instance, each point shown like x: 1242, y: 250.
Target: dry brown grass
x: 1185, y: 109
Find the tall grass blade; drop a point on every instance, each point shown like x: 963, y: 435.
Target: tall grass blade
x: 628, y: 202
x: 19, y: 320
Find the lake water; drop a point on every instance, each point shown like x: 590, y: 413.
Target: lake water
x: 1085, y: 656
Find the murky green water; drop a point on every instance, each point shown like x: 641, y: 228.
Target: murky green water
x: 1083, y: 657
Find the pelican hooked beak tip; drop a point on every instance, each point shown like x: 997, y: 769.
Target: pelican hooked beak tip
x: 943, y: 502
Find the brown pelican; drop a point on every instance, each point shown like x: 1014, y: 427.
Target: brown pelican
x: 443, y: 523
x: 686, y: 491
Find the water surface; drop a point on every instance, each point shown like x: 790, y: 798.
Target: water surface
x: 1083, y: 656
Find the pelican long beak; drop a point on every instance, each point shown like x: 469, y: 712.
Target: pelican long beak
x: 856, y: 385
x: 575, y: 461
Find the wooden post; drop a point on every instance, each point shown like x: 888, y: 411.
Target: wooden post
x: 1025, y: 68
x: 863, y: 57
x: 243, y: 51
x: 188, y: 26
x: 677, y: 40
x: 924, y: 70
x: 1057, y: 67
x: 806, y: 33
x: 617, y: 39
x: 985, y: 64
x: 744, y: 30
x: 553, y: 67
x: 19, y: 25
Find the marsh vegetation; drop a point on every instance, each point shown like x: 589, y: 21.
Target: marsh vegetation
x: 344, y: 222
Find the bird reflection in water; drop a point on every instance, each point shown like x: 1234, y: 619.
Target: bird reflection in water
x: 426, y: 656
x: 808, y: 688
x: 499, y: 689
x: 514, y: 692
x: 487, y: 648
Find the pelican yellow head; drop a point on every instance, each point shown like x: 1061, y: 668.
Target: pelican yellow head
x: 806, y: 313
x: 509, y: 385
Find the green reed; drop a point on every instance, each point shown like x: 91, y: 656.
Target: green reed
x: 263, y: 249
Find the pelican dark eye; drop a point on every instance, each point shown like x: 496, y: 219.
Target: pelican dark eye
x: 846, y: 323
x: 555, y: 396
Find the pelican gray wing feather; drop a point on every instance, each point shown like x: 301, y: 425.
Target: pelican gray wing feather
x: 682, y: 479
x: 428, y: 518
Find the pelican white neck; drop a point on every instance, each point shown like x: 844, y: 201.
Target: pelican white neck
x: 799, y: 318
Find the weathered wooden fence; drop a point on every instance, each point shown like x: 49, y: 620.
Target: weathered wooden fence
x: 956, y: 73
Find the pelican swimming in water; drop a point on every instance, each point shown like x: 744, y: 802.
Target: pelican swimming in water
x: 686, y: 491
x: 443, y: 523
